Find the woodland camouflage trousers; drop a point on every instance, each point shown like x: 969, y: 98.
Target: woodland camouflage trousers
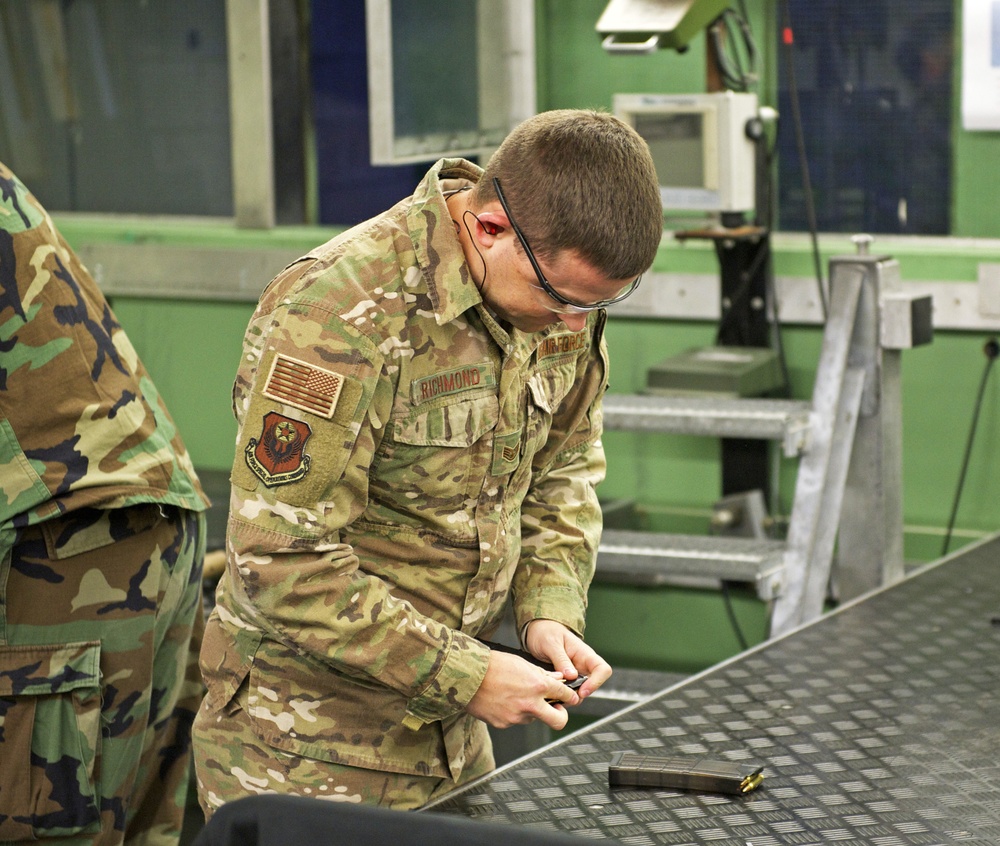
x: 101, y: 620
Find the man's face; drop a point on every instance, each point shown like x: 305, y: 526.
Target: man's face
x: 514, y: 291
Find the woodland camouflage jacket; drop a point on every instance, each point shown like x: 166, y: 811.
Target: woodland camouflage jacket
x: 403, y: 465
x: 81, y: 423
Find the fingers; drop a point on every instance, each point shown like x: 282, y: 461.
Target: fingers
x: 562, y: 662
x: 561, y: 692
x: 515, y: 692
x: 548, y: 639
x: 597, y: 673
x: 556, y: 697
x: 568, y: 654
x: 555, y: 717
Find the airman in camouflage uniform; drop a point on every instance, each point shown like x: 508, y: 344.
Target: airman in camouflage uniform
x: 419, y: 440
x: 101, y: 543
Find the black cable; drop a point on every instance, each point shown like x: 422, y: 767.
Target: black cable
x: 738, y: 70
x: 788, y: 40
x: 992, y: 349
x: 731, y: 611
x: 777, y: 340
x: 765, y: 217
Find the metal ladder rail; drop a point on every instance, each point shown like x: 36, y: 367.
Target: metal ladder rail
x: 745, y: 417
x: 858, y: 430
x: 849, y: 442
x: 803, y: 554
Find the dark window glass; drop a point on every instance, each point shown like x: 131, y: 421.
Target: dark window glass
x: 875, y: 89
x: 350, y: 188
x: 116, y: 105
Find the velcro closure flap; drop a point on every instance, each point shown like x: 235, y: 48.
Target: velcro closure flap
x: 34, y: 670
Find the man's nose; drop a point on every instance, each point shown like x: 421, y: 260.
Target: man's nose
x: 576, y: 322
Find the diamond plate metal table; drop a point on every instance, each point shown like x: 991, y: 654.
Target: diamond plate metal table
x: 878, y: 724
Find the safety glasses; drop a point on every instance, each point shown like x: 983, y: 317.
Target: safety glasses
x: 566, y: 305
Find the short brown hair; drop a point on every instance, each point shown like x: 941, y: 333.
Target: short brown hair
x: 581, y: 180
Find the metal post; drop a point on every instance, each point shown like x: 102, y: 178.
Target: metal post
x: 248, y: 36
x: 849, y: 486
x: 870, y: 541
x: 819, y: 485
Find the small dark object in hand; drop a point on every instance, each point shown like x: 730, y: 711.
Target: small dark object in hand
x: 572, y: 684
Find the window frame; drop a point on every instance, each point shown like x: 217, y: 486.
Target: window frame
x: 509, y: 58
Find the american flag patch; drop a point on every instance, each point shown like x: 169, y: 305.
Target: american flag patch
x: 304, y: 386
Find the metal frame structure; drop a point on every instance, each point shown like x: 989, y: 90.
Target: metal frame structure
x: 848, y: 495
x: 851, y: 385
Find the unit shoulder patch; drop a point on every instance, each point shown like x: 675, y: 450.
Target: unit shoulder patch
x: 278, y: 456
x: 303, y: 386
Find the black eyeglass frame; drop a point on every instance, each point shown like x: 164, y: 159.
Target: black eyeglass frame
x: 542, y: 281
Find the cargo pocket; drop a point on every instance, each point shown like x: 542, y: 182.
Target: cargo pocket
x: 50, y: 730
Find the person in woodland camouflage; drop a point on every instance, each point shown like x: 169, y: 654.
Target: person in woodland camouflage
x: 101, y: 545
x: 419, y: 413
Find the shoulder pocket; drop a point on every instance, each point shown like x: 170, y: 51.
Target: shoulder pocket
x: 50, y: 704
x: 300, y: 454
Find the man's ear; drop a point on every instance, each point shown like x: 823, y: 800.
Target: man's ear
x: 492, y: 223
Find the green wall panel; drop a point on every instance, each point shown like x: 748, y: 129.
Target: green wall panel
x: 940, y: 383
x: 192, y: 350
x: 977, y: 184
x: 670, y: 629
x: 574, y: 71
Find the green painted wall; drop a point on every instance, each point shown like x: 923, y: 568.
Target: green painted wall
x: 575, y: 72
x: 192, y: 349
x: 977, y: 184
x: 976, y: 212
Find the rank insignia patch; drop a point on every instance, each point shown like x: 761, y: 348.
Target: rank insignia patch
x: 304, y: 386
x: 278, y: 456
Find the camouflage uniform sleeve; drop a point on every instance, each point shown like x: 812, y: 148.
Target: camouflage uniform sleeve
x: 561, y: 516
x: 312, y: 397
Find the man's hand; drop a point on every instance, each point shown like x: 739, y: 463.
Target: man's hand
x: 515, y: 692
x: 553, y: 642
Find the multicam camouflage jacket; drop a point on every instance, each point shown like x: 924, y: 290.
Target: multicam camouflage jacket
x: 81, y: 424
x: 403, y: 466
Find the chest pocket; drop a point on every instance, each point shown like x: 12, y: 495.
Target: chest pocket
x: 459, y: 424
x: 550, y: 386
x: 547, y: 389
x: 435, y: 460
